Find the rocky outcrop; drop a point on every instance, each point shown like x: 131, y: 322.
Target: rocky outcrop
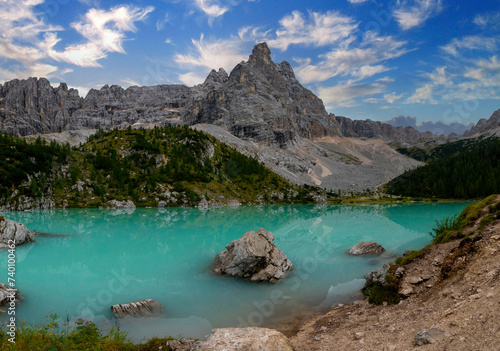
x: 259, y: 101
x: 379, y: 130
x: 254, y: 257
x: 25, y: 203
x: 489, y: 126
x: 10, y: 230
x: 366, y: 248
x: 142, y: 308
x: 245, y: 339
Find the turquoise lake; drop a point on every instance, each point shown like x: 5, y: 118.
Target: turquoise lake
x: 98, y: 258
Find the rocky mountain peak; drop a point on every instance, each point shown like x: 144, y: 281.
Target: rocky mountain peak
x: 261, y: 55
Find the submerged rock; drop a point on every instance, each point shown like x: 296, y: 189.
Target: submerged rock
x: 10, y: 230
x: 142, y: 308
x: 245, y: 339
x: 366, y: 248
x: 253, y: 257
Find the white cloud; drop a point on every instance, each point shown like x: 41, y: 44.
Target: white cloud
x: 357, y: 1
x: 413, y: 13
x: 211, y: 8
x: 317, y: 29
x: 456, y: 46
x: 191, y: 79
x: 34, y: 70
x: 488, y: 20
x: 344, y: 94
x: 426, y: 92
x: 392, y: 97
x: 104, y: 31
x: 355, y: 61
x: 213, y: 54
x: 160, y: 23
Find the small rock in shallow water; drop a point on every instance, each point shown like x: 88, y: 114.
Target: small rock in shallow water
x: 366, y: 248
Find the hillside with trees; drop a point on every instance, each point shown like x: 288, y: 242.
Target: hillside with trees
x: 171, y: 166
x: 462, y: 170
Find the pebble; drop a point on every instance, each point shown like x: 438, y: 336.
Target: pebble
x: 317, y: 338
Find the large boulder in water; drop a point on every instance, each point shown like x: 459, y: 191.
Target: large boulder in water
x: 142, y: 308
x: 10, y: 230
x: 245, y: 339
x: 253, y: 257
x: 366, y: 248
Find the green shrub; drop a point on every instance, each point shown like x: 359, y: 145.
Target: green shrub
x: 378, y: 294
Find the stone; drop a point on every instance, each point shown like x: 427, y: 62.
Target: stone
x: 430, y: 336
x: 8, y: 294
x: 377, y: 276
x: 142, y: 308
x: 414, y: 279
x: 245, y: 339
x: 366, y: 248
x: 254, y: 257
x: 10, y: 230
x: 121, y: 204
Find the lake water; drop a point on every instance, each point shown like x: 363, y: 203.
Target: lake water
x: 102, y: 257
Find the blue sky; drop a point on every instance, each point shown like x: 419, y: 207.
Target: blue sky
x: 432, y: 59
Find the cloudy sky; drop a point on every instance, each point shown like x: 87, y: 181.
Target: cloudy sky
x: 432, y: 59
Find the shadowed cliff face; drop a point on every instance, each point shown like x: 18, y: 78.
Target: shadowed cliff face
x: 33, y: 106
x: 259, y: 101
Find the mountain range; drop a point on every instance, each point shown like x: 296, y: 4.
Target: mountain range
x: 259, y: 108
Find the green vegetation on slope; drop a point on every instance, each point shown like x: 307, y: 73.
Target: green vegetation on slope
x: 174, y: 165
x: 458, y: 170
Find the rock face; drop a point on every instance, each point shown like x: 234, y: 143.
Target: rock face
x: 142, y: 308
x: 366, y: 248
x: 10, y: 230
x: 245, y: 339
x: 253, y: 257
x: 33, y: 106
x: 379, y: 130
x: 259, y: 101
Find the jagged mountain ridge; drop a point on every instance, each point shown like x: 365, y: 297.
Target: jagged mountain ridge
x: 259, y: 101
x: 259, y: 108
x: 379, y: 130
x: 490, y: 126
